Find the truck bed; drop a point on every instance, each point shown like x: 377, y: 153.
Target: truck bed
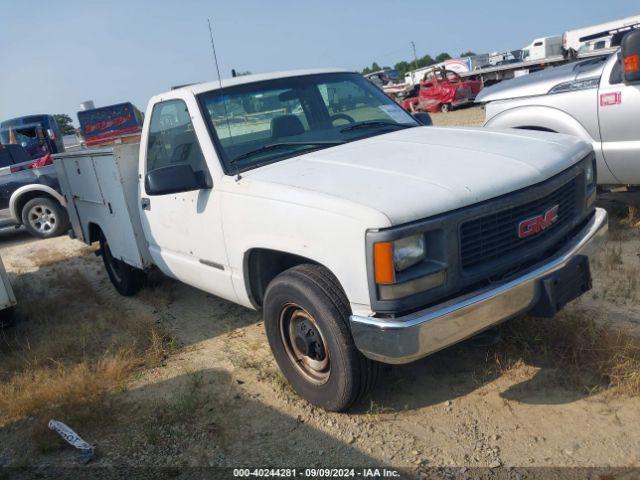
x: 100, y: 187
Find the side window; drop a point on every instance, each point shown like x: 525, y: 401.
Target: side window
x: 18, y: 154
x: 5, y: 157
x: 616, y: 74
x: 172, y: 139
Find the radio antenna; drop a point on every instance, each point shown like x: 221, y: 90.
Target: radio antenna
x: 215, y: 60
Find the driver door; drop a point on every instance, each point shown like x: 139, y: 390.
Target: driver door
x: 183, y: 229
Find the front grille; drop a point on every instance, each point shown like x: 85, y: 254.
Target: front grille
x: 485, y: 239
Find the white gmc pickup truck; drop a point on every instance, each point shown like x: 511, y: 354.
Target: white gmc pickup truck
x: 362, y: 235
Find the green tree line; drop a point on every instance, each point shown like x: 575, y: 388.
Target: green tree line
x: 406, y: 65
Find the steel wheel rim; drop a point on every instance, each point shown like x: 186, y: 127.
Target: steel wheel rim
x: 42, y: 219
x: 295, y: 324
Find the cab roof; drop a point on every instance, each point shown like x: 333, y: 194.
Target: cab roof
x: 243, y: 79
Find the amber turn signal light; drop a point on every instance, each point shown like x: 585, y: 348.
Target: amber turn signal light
x: 631, y: 63
x: 383, y: 263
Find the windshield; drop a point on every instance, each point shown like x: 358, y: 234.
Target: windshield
x: 262, y: 122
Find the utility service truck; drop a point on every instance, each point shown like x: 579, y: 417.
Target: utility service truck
x: 363, y: 236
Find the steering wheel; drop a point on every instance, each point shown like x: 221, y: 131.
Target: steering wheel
x: 341, y: 116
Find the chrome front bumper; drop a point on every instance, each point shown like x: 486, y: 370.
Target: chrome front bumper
x: 405, y: 339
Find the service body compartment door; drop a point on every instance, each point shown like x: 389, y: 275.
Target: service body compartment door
x: 100, y: 187
x: 81, y: 175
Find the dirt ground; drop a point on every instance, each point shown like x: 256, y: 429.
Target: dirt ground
x: 473, y: 116
x: 217, y: 398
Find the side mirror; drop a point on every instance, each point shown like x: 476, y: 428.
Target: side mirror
x: 630, y: 57
x: 173, y: 179
x: 423, y: 118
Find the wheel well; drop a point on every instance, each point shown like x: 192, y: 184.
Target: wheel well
x: 262, y: 265
x: 94, y: 232
x: 30, y: 195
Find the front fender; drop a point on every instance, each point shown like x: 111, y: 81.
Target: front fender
x: 540, y: 117
x: 551, y: 119
x: 35, y: 187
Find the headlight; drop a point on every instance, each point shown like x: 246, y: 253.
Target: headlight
x: 408, y: 251
x: 390, y: 258
x: 405, y: 266
x: 590, y: 173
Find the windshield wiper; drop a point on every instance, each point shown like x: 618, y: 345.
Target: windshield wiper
x: 374, y: 123
x: 277, y: 146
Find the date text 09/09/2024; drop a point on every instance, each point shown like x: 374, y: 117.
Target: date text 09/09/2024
x: 316, y: 473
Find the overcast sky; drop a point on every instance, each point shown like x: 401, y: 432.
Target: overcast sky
x: 56, y: 54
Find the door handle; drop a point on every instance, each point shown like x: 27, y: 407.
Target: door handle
x: 145, y: 203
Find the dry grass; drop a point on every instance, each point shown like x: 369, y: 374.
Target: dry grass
x: 623, y: 223
x: 582, y: 351
x: 616, y: 269
x: 44, y: 257
x: 617, y: 272
x: 69, y: 348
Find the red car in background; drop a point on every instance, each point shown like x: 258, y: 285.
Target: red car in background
x: 442, y: 90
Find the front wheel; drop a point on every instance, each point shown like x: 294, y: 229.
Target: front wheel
x: 306, y: 316
x: 445, y: 107
x: 126, y: 279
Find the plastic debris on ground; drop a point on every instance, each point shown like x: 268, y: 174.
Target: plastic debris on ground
x: 72, y: 438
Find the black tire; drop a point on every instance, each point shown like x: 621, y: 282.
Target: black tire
x: 7, y: 317
x: 44, y: 217
x: 317, y: 300
x: 126, y: 279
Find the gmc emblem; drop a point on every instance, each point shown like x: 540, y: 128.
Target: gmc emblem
x: 536, y: 224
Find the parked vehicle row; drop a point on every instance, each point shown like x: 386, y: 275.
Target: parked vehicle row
x: 364, y: 236
x: 541, y: 53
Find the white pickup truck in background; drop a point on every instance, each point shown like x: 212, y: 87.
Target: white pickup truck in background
x: 595, y: 100
x: 363, y: 236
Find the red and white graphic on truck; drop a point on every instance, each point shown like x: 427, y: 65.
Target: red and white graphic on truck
x: 608, y: 99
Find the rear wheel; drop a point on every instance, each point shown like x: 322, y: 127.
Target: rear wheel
x: 126, y: 279
x: 306, y: 317
x: 7, y: 318
x: 44, y: 217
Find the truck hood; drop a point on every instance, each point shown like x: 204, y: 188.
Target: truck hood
x: 539, y: 83
x: 424, y: 171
